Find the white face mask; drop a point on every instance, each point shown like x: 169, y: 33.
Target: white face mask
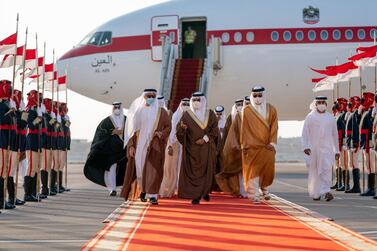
x: 257, y: 100
x: 322, y: 107
x: 185, y: 108
x: 239, y: 108
x: 116, y: 112
x: 197, y: 105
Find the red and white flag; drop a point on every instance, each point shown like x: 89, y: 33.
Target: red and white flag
x: 366, y: 58
x: 30, y: 58
x: 323, y: 84
x: 48, y: 74
x: 58, y: 83
x: 36, y: 70
x: 9, y: 45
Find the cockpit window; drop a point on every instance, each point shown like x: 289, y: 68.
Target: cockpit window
x: 106, y: 38
x: 99, y: 38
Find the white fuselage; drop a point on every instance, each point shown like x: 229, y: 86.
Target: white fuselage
x: 122, y: 69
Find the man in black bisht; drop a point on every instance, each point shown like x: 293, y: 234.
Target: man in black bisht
x: 106, y: 162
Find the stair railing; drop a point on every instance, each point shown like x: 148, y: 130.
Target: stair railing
x: 212, y: 62
x: 169, y: 55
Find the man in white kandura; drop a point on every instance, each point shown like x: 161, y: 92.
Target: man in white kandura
x: 320, y: 144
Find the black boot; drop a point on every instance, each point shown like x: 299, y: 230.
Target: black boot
x: 3, y: 203
x: 338, y: 183
x: 44, y: 181
x: 27, y: 187
x: 36, y: 193
x: 356, y: 181
x: 53, y: 188
x: 61, y: 188
x: 12, y: 193
x: 370, y: 191
x: 346, y: 181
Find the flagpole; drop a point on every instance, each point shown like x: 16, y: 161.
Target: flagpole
x: 22, y: 82
x: 40, y: 125
x: 15, y: 56
x: 13, y: 85
x: 349, y: 88
x: 361, y: 82
x: 58, y: 114
x: 66, y: 139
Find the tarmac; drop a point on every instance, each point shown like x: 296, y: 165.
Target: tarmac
x: 67, y: 221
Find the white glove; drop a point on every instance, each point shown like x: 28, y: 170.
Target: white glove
x: 22, y: 106
x: 43, y: 108
x: 66, y: 117
x: 39, y: 111
x: 12, y: 104
x: 53, y: 115
x: 59, y: 119
x: 345, y: 148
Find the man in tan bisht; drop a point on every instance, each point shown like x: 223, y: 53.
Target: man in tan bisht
x: 197, y: 131
x: 173, y: 155
x: 259, y: 131
x: 230, y: 179
x: 146, y: 133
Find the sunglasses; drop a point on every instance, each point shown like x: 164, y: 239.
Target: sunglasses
x: 258, y: 95
x: 116, y: 106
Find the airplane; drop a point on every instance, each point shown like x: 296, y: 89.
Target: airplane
x: 239, y: 44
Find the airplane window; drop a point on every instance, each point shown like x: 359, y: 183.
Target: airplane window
x: 373, y: 33
x: 336, y: 34
x: 312, y: 35
x: 237, y: 37
x: 324, y: 35
x: 96, y: 37
x: 250, y: 36
x: 86, y: 39
x: 287, y: 35
x: 106, y: 38
x: 349, y: 34
x: 225, y: 37
x: 299, y: 35
x: 274, y: 36
x: 361, y: 34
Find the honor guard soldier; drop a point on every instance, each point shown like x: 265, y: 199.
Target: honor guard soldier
x: 366, y: 128
x: 47, y: 130
x: 17, y: 142
x: 32, y: 147
x: 54, y: 149
x: 5, y: 124
x: 352, y: 138
x: 341, y: 173
x: 66, y: 142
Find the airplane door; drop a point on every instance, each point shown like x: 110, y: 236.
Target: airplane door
x: 163, y: 26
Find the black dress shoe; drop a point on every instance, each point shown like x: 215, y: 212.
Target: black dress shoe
x: 329, y: 197
x: 142, y: 197
x: 42, y: 196
x: 31, y: 198
x: 113, y: 193
x: 206, y: 197
x: 195, y: 202
x: 153, y: 201
x: 7, y: 206
x: 19, y: 202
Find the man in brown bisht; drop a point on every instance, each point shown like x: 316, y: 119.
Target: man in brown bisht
x: 230, y: 179
x: 197, y: 131
x: 146, y: 133
x: 259, y: 131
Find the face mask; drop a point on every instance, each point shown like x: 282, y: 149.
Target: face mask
x: 239, y: 108
x: 196, y: 105
x: 117, y: 112
x: 257, y: 100
x: 185, y: 108
x: 321, y: 107
x: 150, y: 101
